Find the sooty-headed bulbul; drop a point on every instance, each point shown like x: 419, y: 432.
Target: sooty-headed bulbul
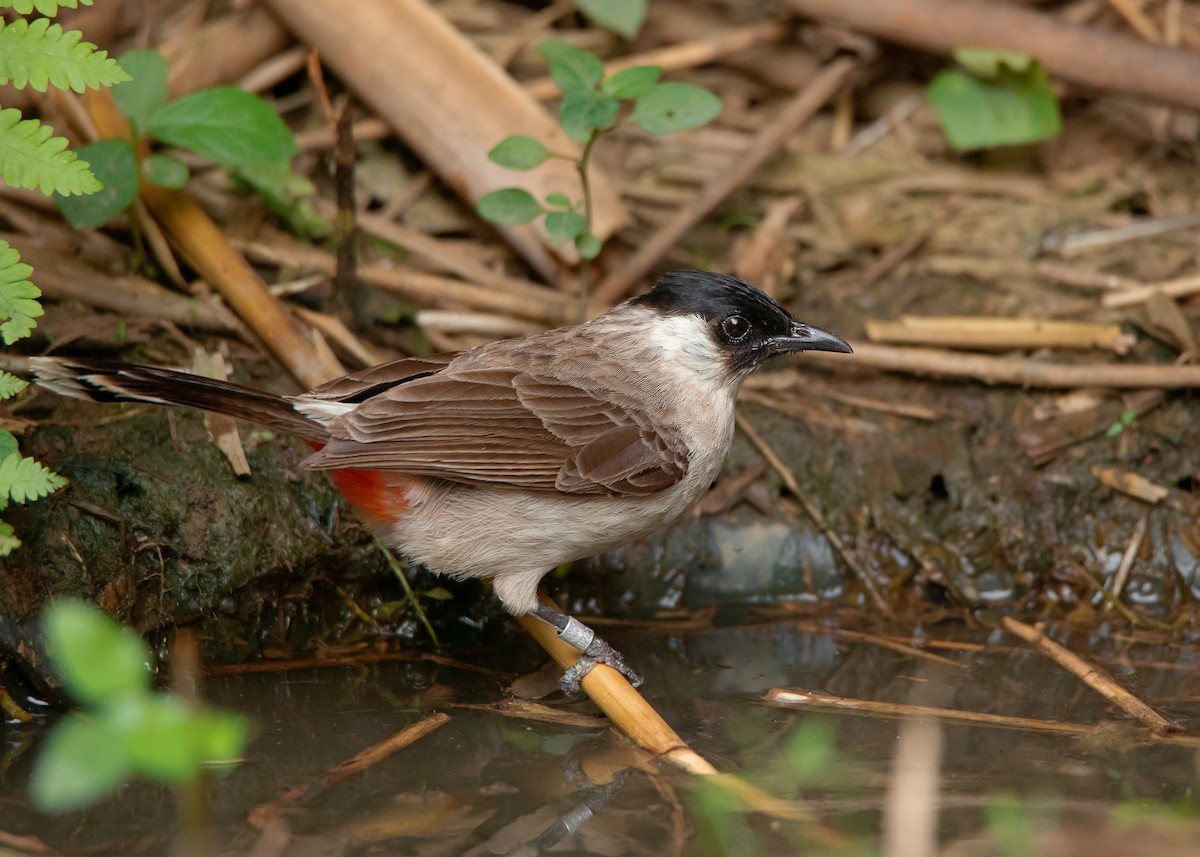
x: 509, y: 459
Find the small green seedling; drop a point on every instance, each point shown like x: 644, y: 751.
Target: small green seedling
x: 591, y: 106
x: 996, y: 99
x: 125, y: 730
x: 226, y: 125
x: 1122, y: 424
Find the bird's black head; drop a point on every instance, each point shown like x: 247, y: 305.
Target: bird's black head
x: 748, y: 326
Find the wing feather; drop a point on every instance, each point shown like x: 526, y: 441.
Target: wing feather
x: 498, y: 427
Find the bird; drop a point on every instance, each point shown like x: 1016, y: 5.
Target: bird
x: 506, y: 460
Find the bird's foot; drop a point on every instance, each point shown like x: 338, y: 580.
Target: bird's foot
x: 597, y: 652
x: 592, y: 649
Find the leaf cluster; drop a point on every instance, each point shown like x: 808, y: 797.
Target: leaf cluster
x: 227, y: 125
x: 591, y: 106
x: 126, y: 729
x: 996, y: 98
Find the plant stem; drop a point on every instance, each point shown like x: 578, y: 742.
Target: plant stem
x: 398, y: 570
x: 585, y: 264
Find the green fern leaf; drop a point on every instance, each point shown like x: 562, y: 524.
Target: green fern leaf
x: 18, y: 297
x: 10, y: 385
x: 8, y: 540
x: 30, y: 157
x: 49, y: 8
x: 23, y: 479
x: 40, y: 53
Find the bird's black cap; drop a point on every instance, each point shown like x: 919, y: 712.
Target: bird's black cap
x: 749, y: 325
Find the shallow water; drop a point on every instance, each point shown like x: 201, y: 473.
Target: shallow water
x: 485, y: 783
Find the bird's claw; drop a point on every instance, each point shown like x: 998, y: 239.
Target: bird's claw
x: 597, y: 652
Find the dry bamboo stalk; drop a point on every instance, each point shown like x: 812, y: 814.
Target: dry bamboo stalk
x: 490, y: 324
x: 450, y: 102
x: 1026, y: 373
x: 808, y: 699
x: 206, y: 248
x: 1094, y: 677
x: 794, y: 114
x: 1177, y: 288
x: 623, y: 705
x: 630, y: 712
x: 355, y: 765
x: 993, y: 333
x: 679, y: 56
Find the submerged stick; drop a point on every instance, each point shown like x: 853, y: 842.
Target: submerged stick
x: 262, y: 814
x: 1094, y: 677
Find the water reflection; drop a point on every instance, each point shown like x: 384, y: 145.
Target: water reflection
x: 484, y: 783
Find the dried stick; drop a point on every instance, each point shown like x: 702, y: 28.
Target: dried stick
x: 262, y: 814
x: 1026, y: 373
x: 1093, y: 677
x: 1178, y: 288
x: 993, y: 333
x: 793, y: 484
x: 679, y: 56
x: 1093, y: 57
x: 794, y: 114
x: 810, y: 699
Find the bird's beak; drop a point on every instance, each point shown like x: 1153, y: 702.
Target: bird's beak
x: 805, y: 337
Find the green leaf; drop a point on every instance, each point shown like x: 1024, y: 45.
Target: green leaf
x: 671, y: 107
x: 288, y: 196
x: 146, y: 92
x: 584, y: 110
x: 113, y: 162
x: 983, y: 63
x: 82, y: 761
x: 98, y: 659
x: 225, y: 124
x: 18, y: 297
x: 519, y: 153
x: 31, y: 158
x: 25, y: 479
x: 1013, y: 109
x: 564, y: 226
x: 8, y: 443
x: 165, y: 170
x: 510, y: 205
x: 49, y: 8
x: 588, y: 246
x: 10, y: 385
x: 8, y: 539
x: 158, y: 737
x: 559, y: 200
x: 39, y: 54
x: 632, y: 82
x: 571, y: 68
x: 624, y: 16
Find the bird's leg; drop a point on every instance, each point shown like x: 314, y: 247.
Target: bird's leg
x: 593, y: 650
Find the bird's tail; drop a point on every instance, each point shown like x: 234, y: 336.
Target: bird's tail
x: 109, y: 381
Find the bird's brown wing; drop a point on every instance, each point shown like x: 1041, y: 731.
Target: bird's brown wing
x: 505, y: 427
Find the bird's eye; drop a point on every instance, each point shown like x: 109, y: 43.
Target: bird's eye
x: 735, y: 328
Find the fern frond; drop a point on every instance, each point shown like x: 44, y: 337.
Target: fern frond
x: 18, y: 297
x: 49, y: 8
x: 10, y: 385
x: 40, y: 53
x: 23, y: 479
x: 30, y: 157
x: 8, y: 540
